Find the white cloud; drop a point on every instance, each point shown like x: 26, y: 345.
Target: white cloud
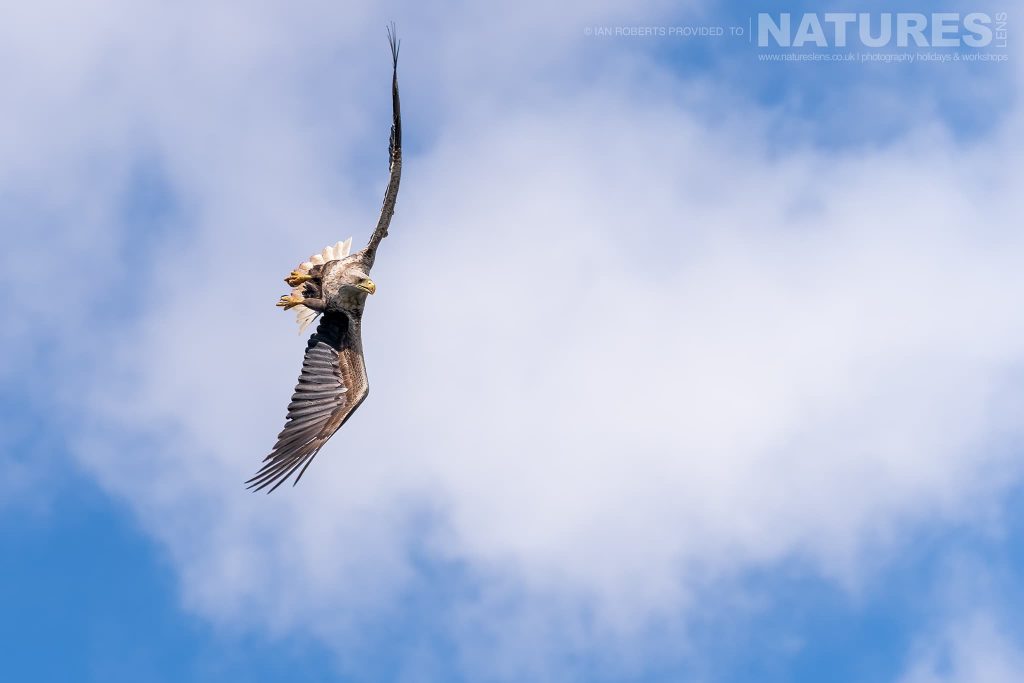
x: 973, y: 636
x: 618, y: 353
x: 972, y: 649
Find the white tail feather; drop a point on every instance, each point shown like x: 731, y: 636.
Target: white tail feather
x: 304, y: 316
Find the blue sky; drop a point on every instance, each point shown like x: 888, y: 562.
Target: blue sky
x: 728, y: 388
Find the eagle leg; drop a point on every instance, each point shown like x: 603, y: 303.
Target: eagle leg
x: 289, y: 301
x: 292, y: 300
x: 297, y: 278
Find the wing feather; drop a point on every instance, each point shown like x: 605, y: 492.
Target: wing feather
x: 387, y: 209
x: 331, y: 386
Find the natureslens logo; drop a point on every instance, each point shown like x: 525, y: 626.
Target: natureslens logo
x: 884, y: 30
x: 845, y: 37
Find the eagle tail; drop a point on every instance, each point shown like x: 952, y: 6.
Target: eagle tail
x: 304, y: 316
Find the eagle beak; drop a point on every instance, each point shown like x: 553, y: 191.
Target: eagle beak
x: 368, y: 285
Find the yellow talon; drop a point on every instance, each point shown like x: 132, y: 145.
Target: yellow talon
x: 297, y: 278
x: 289, y: 301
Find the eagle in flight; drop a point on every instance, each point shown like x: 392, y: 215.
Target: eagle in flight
x: 333, y: 284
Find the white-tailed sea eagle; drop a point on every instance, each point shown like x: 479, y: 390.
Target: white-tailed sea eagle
x: 333, y: 284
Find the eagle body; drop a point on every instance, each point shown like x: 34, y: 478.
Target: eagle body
x: 336, y: 274
x: 332, y: 285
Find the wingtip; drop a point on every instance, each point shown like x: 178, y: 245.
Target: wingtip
x: 256, y: 484
x: 393, y: 41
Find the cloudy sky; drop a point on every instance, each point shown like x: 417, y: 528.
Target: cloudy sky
x: 686, y: 364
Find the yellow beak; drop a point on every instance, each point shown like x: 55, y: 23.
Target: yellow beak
x: 368, y: 285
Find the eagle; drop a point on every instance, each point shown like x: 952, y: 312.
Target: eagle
x: 332, y: 285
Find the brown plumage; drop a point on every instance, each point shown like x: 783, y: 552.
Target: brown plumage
x: 333, y: 284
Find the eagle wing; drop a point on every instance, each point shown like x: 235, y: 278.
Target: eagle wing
x: 387, y: 210
x: 331, y: 386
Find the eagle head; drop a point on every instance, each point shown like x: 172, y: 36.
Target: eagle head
x: 346, y: 283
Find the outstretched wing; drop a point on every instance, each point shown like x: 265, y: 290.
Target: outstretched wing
x: 331, y: 386
x: 394, y: 157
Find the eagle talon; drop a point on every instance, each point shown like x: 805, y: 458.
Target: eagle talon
x: 290, y: 301
x: 297, y: 278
